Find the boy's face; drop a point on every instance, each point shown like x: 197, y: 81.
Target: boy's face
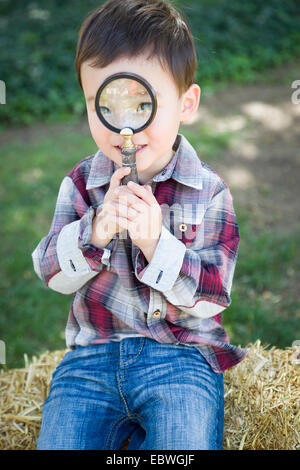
x: 160, y: 135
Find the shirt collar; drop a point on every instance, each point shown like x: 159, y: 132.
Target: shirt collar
x: 184, y: 167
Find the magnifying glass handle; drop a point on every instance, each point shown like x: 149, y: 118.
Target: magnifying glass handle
x: 129, y: 159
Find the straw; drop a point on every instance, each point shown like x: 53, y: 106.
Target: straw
x: 262, y: 398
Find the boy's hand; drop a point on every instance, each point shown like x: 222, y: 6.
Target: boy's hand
x: 106, y: 222
x: 140, y: 215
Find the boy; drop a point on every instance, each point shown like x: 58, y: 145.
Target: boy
x: 148, y: 349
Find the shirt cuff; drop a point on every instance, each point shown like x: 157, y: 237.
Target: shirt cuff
x: 76, y: 255
x: 164, y: 267
x: 102, y: 255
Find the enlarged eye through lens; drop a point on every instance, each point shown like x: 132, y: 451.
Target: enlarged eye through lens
x: 125, y: 100
x: 143, y: 105
x: 104, y: 110
x: 142, y: 108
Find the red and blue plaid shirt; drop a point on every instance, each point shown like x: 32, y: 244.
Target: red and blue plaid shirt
x: 178, y: 297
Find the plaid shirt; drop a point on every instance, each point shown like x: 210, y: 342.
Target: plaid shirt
x: 176, y: 298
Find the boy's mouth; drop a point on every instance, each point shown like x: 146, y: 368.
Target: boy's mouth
x: 139, y: 148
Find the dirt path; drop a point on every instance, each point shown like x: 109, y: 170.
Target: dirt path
x: 262, y: 163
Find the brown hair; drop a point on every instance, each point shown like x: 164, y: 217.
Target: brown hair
x: 131, y: 27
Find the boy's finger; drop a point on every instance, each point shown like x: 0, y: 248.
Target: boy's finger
x: 129, y: 199
x: 118, y: 176
x: 141, y: 192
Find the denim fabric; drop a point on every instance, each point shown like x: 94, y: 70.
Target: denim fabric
x: 164, y: 396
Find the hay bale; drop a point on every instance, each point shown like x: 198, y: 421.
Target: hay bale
x: 262, y: 397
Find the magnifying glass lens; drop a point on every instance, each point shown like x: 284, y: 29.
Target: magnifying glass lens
x: 124, y: 102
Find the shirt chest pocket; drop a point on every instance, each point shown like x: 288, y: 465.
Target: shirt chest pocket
x: 184, y: 221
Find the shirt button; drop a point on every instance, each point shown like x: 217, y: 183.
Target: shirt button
x: 157, y: 313
x: 183, y: 227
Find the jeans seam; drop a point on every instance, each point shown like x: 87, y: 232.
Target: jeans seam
x: 112, y: 433
x: 116, y: 426
x: 133, y: 358
x: 122, y: 396
x: 129, y: 415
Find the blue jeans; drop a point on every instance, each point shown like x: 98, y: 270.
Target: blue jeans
x: 165, y: 396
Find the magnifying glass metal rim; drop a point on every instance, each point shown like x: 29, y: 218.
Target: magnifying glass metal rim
x: 137, y: 78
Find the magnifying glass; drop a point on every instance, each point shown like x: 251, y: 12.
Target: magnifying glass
x: 126, y: 104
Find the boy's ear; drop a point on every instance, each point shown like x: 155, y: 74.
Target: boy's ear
x: 190, y: 102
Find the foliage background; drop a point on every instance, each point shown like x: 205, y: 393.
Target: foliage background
x: 234, y: 40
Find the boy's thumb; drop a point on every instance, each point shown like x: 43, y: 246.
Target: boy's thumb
x: 149, y: 188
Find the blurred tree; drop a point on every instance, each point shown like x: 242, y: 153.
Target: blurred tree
x: 38, y: 43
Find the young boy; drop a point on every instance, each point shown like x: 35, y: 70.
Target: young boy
x: 148, y: 349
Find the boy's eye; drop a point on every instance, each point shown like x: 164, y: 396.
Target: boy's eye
x: 144, y: 107
x: 104, y: 110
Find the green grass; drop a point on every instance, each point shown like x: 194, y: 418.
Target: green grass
x: 33, y: 317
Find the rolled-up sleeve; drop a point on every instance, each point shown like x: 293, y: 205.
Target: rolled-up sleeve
x: 198, y: 279
x: 64, y: 259
x: 163, y: 269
